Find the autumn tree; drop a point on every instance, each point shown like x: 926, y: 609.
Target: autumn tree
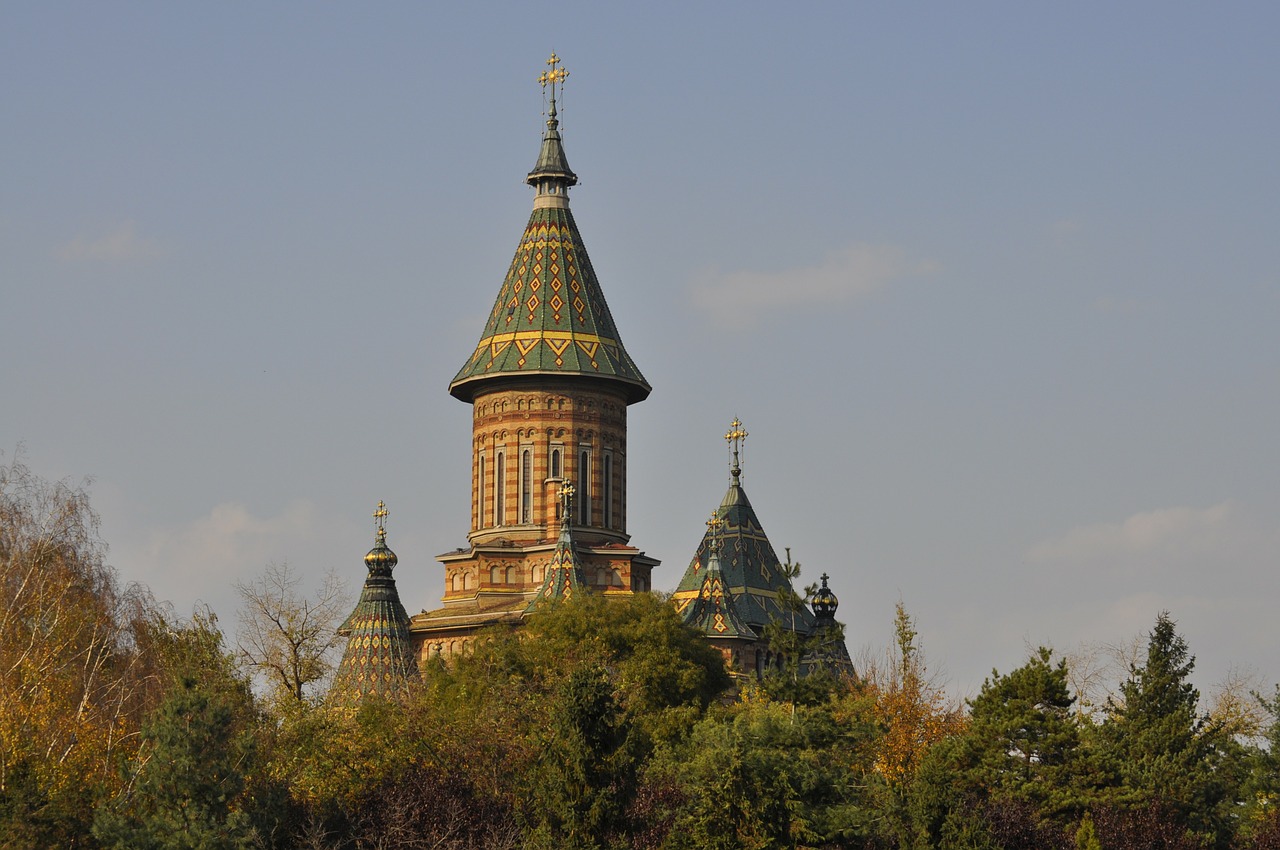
x: 72, y: 688
x: 288, y: 638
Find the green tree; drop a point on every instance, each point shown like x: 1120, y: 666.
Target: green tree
x: 186, y: 785
x: 1162, y: 750
x: 765, y: 775
x: 1023, y: 740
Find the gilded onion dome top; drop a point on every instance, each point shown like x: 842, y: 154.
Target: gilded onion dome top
x: 550, y: 317
x: 824, y: 602
x: 381, y: 560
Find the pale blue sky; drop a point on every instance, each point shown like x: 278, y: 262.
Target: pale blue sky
x: 994, y: 287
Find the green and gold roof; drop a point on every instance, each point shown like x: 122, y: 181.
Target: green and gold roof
x: 378, y: 660
x: 752, y: 573
x: 713, y: 611
x: 550, y: 317
x: 564, y: 576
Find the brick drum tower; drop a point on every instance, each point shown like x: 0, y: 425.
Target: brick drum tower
x: 549, y: 384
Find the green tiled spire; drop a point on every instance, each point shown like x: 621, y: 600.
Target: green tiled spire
x: 550, y: 317
x: 564, y: 575
x: 752, y: 573
x: 378, y: 660
x: 713, y: 611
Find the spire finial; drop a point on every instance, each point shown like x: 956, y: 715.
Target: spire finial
x: 713, y: 545
x: 380, y: 520
x: 553, y: 78
x: 736, y: 436
x: 566, y: 500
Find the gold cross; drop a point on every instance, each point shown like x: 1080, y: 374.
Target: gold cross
x: 566, y: 491
x: 736, y: 434
x: 554, y: 76
x: 714, y: 523
x: 380, y: 516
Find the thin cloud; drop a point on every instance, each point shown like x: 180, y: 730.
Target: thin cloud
x: 120, y: 244
x: 845, y: 275
x: 1164, y: 532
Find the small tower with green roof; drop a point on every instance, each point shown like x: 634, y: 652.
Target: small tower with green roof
x: 549, y: 383
x: 379, y: 658
x: 753, y: 577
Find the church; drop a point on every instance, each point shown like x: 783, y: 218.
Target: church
x: 549, y: 383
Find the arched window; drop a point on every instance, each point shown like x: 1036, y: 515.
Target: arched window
x: 584, y: 488
x: 555, y: 463
x: 499, y: 490
x: 607, y: 494
x: 480, y: 494
x: 495, y: 575
x: 616, y: 578
x: 511, y: 575
x: 457, y: 582
x: 526, y: 487
x: 466, y: 580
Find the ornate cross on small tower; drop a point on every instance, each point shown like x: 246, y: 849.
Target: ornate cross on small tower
x: 566, y: 499
x: 736, y: 436
x: 553, y: 77
x: 380, y: 520
x: 713, y: 526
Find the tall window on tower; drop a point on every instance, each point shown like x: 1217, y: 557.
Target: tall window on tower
x: 607, y: 494
x: 555, y: 462
x: 499, y: 489
x: 526, y: 487
x: 480, y: 492
x: 584, y: 488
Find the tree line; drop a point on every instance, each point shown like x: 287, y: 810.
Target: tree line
x: 600, y: 724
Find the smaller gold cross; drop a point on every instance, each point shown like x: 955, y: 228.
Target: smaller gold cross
x: 566, y: 497
x: 736, y: 434
x: 380, y: 516
x: 554, y: 76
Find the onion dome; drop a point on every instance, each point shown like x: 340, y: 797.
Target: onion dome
x: 753, y: 574
x: 824, y: 603
x: 564, y: 576
x: 550, y: 317
x: 827, y: 649
x: 378, y: 660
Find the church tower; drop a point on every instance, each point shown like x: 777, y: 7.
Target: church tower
x: 379, y: 659
x: 736, y: 572
x: 549, y: 383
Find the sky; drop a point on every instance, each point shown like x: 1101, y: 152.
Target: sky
x: 993, y: 287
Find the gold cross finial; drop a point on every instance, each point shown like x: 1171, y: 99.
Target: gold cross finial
x: 566, y: 499
x: 735, y: 438
x: 714, y: 523
x: 380, y: 518
x: 553, y: 77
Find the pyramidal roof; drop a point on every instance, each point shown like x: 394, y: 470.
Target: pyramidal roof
x: 550, y: 316
x: 564, y: 575
x: 752, y: 574
x: 713, y: 611
x: 378, y: 660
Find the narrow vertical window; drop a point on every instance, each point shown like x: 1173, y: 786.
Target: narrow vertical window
x: 499, y: 490
x: 607, y: 490
x: 526, y: 487
x: 555, y: 463
x: 584, y: 488
x: 480, y: 494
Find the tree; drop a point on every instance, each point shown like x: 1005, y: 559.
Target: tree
x: 73, y: 688
x: 289, y: 639
x: 1162, y: 750
x: 795, y: 682
x: 1023, y: 742
x: 186, y: 784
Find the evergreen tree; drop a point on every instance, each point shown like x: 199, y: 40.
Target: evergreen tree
x: 187, y: 781
x: 1161, y: 748
x: 1023, y: 741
